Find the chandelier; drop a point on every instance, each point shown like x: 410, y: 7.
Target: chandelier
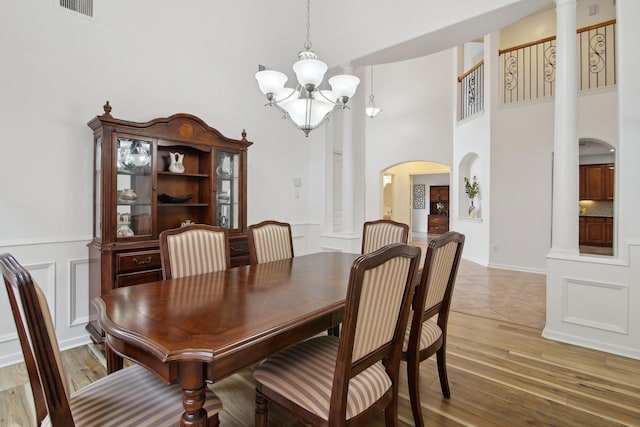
x: 306, y: 105
x: 371, y: 109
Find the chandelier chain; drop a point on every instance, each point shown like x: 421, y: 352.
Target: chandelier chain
x: 372, y: 80
x: 307, y: 45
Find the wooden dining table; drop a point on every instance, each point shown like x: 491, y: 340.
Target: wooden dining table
x: 199, y: 329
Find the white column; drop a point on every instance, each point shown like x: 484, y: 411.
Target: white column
x: 564, y: 230
x: 347, y: 168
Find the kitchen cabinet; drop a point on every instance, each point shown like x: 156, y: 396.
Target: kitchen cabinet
x: 438, y: 219
x: 595, y: 231
x: 154, y: 176
x: 596, y: 182
x: 608, y: 231
x: 609, y: 178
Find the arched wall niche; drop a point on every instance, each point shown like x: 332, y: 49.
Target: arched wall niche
x: 470, y: 166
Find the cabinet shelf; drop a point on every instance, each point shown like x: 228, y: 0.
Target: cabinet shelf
x: 185, y: 175
x: 145, y: 172
x: 182, y: 205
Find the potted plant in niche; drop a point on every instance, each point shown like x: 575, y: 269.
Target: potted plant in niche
x: 472, y: 188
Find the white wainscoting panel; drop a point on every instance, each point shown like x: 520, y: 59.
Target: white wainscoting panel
x: 79, y: 292
x: 596, y: 304
x: 44, y: 275
x: 61, y: 269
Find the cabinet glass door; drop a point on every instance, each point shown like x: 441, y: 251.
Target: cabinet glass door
x: 134, y: 187
x: 227, y: 190
x: 97, y: 191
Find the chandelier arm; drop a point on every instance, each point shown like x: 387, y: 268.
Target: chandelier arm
x: 319, y: 92
x: 273, y: 102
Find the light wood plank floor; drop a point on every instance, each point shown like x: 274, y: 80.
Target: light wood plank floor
x: 501, y: 371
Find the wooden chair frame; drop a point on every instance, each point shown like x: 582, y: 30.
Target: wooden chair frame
x: 346, y: 368
x: 414, y: 355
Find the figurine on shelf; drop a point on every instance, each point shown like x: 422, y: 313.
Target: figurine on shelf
x: 176, y: 165
x: 124, y: 229
x: 224, y: 170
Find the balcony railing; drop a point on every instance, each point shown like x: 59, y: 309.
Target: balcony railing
x: 529, y: 70
x: 471, y: 89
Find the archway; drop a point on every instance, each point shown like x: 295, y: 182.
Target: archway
x: 411, y: 179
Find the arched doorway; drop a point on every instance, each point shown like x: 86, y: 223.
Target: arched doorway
x: 405, y: 184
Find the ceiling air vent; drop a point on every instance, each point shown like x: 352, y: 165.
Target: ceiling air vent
x: 84, y: 7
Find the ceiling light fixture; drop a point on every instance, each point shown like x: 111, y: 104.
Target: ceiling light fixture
x: 371, y: 109
x: 307, y: 106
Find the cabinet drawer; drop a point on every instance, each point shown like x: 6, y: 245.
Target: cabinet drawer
x: 438, y: 229
x: 137, y: 261
x: 129, y: 279
x: 238, y: 248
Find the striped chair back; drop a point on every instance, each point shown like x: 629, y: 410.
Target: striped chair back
x: 440, y: 270
x: 194, y: 249
x: 269, y: 241
x: 380, y: 304
x: 381, y: 287
x: 376, y: 234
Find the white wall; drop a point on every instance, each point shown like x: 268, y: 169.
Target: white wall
x: 149, y: 59
x: 543, y: 24
x: 415, y: 123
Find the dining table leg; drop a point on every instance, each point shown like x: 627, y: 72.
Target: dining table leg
x: 114, y: 360
x: 193, y: 389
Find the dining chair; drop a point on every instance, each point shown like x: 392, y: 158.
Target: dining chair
x: 269, y: 241
x: 194, y: 249
x: 346, y: 380
x: 426, y: 332
x: 129, y: 397
x: 376, y: 234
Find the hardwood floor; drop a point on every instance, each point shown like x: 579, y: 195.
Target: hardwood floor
x: 501, y: 371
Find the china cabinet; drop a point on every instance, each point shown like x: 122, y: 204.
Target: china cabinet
x: 154, y: 176
x: 438, y: 218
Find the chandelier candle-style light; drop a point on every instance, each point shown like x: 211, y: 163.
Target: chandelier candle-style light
x: 306, y: 105
x: 371, y: 109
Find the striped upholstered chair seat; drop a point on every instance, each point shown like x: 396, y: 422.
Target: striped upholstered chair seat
x: 376, y: 234
x: 270, y: 241
x: 194, y: 249
x: 427, y: 331
x: 429, y: 334
x: 129, y: 397
x: 332, y: 380
x: 303, y: 374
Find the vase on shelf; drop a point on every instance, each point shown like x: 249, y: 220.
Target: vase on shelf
x: 473, y: 211
x: 176, y: 164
